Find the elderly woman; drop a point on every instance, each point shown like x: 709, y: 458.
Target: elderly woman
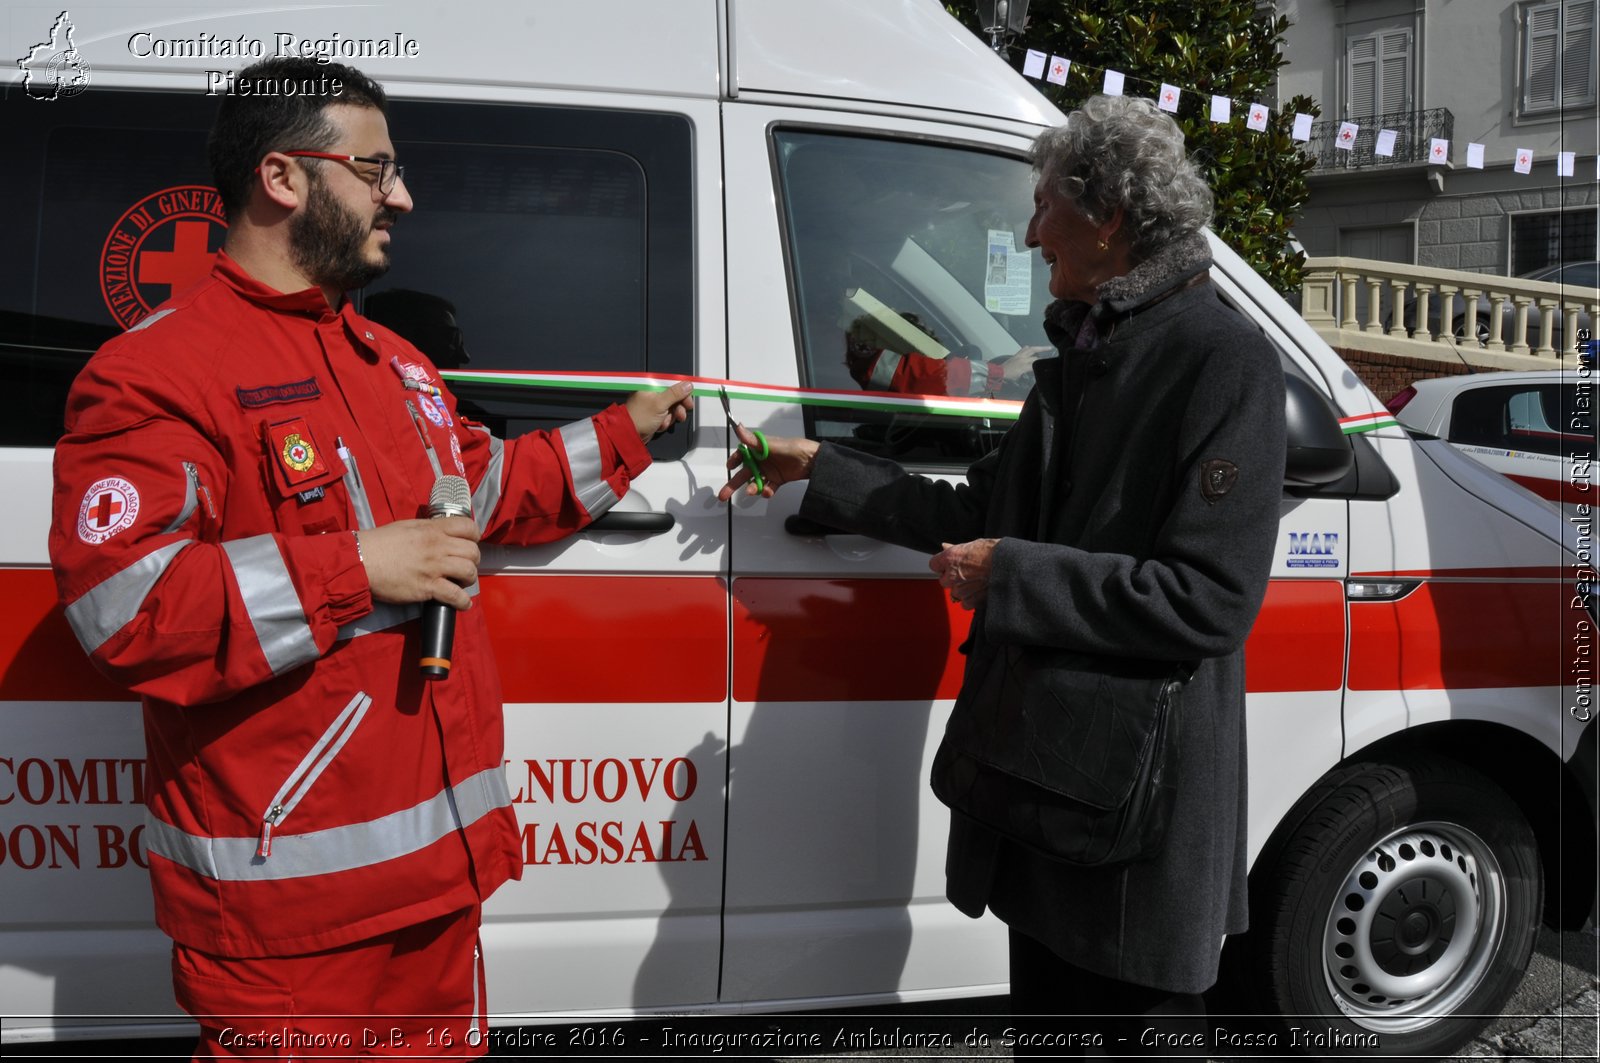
x: 1128, y: 517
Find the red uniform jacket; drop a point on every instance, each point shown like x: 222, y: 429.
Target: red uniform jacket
x: 307, y: 788
x: 913, y: 373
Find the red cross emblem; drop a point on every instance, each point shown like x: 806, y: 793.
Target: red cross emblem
x: 1056, y: 70
x: 109, y: 506
x: 162, y: 244
x: 1523, y: 159
x: 1438, y: 151
x: 1169, y: 97
x: 1344, y: 135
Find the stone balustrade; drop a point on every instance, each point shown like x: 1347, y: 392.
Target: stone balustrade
x: 1492, y: 322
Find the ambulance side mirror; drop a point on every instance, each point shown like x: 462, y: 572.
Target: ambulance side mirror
x: 1319, y: 451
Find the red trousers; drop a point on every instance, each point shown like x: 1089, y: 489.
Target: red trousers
x: 418, y: 991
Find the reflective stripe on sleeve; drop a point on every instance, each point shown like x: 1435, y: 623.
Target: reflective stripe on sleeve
x: 883, y: 370
x: 583, y: 461
x: 325, y: 852
x: 271, y: 602
x: 386, y: 615
x: 108, y: 606
x: 487, y: 495
x: 979, y: 382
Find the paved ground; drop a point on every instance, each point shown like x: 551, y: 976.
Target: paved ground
x: 1555, y: 1014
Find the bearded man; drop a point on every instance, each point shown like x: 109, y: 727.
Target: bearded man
x: 240, y: 536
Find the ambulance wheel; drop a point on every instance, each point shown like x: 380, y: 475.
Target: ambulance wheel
x: 1400, y: 913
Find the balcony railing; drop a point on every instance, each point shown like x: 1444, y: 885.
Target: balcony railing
x: 1493, y: 322
x: 1415, y: 132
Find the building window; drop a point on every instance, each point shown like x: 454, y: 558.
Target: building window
x: 1378, y: 77
x: 1548, y: 238
x: 1558, y: 56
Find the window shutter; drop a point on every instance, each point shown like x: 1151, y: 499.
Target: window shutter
x: 1395, y: 72
x: 1578, y: 55
x: 1543, y: 63
x: 1363, y: 55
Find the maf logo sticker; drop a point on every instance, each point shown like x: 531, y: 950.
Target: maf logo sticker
x: 1313, y: 550
x: 164, y: 243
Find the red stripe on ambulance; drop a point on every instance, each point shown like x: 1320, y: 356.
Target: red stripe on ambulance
x: 1297, y: 643
x: 1462, y: 636
x: 647, y: 639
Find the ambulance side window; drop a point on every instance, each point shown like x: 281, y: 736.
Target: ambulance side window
x: 551, y: 239
x: 547, y: 239
x: 910, y: 283
x: 105, y: 210
x: 1529, y: 418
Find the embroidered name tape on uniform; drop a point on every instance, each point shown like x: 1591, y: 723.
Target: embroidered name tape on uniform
x: 273, y: 393
x: 299, y: 458
x: 109, y: 506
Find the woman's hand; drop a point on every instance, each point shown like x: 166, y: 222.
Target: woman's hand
x: 964, y: 570
x: 788, y: 459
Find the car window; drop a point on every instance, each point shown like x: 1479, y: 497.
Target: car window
x: 1582, y: 275
x: 1529, y: 418
x: 542, y: 239
x: 909, y: 278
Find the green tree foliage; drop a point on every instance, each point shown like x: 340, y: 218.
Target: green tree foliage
x: 1205, y: 48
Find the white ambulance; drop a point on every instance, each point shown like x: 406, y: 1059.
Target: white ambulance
x: 720, y: 719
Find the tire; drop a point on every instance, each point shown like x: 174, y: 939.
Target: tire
x: 1480, y: 330
x: 1399, y: 914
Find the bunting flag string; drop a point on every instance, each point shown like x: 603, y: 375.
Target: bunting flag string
x: 1056, y: 69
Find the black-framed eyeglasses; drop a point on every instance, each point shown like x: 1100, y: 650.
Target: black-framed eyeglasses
x: 390, y: 173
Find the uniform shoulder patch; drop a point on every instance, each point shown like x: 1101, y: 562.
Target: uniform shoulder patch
x: 109, y: 506
x: 1217, y: 478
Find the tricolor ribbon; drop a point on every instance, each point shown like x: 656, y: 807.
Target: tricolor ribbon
x: 821, y: 398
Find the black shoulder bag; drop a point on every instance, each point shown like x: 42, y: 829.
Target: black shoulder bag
x: 1074, y: 757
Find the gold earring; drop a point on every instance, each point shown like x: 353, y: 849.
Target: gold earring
x: 1103, y: 245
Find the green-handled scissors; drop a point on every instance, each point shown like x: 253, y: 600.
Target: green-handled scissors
x: 751, y: 460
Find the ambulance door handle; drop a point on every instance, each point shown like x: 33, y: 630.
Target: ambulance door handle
x: 646, y: 523
x: 805, y: 528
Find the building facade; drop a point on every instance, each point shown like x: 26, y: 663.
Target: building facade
x: 1516, y: 76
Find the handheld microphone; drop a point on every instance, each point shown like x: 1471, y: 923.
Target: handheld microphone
x: 451, y: 497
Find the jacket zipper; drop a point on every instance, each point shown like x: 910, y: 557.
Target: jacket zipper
x: 194, y: 494
x: 310, y: 767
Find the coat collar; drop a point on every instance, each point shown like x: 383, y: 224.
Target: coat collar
x: 1164, y: 273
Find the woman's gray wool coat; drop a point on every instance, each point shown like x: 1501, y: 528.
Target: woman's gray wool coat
x: 1137, y: 502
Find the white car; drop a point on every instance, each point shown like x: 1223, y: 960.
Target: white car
x: 1537, y: 428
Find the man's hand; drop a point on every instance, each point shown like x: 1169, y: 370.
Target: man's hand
x: 422, y: 560
x: 964, y: 570
x: 1020, y: 364
x: 787, y: 460
x: 654, y: 412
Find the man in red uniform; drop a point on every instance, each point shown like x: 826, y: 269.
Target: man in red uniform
x: 240, y: 536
